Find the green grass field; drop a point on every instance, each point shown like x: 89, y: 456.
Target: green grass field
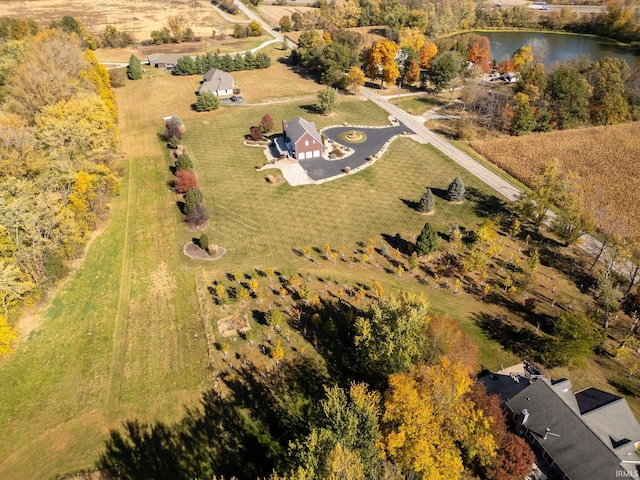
x: 124, y: 337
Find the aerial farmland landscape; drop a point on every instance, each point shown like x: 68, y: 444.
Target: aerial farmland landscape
x: 361, y: 239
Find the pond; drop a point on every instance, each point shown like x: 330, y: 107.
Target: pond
x: 561, y: 46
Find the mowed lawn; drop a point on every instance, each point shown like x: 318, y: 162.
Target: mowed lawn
x: 123, y: 338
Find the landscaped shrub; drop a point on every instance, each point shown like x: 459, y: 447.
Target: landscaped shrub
x: 186, y: 180
x: 184, y: 162
x: 198, y: 216
x: 173, y: 128
x: 206, y: 102
x: 204, y: 242
x: 255, y: 133
x: 192, y: 198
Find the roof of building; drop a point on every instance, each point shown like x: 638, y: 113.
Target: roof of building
x: 167, y: 58
x: 298, y: 126
x: 588, y: 434
x: 215, y: 81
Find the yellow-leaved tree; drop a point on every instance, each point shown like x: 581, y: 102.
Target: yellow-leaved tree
x: 430, y: 425
x: 8, y: 334
x: 382, y: 56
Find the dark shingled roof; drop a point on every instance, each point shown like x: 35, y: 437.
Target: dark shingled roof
x: 581, y: 445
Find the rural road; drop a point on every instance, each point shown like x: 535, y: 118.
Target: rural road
x: 425, y: 135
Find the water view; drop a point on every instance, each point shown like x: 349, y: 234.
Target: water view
x: 561, y: 47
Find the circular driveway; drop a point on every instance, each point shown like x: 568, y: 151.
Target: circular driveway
x: 321, y: 169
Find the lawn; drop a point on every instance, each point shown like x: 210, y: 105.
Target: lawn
x: 418, y: 104
x: 126, y: 335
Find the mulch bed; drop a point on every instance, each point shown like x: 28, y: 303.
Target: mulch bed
x: 192, y: 250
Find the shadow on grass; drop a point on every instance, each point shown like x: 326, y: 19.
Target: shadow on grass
x: 485, y: 205
x: 246, y: 434
x: 521, y: 341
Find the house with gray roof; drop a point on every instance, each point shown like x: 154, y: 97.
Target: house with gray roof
x: 218, y: 82
x: 164, y: 60
x: 591, y: 434
x: 302, y: 139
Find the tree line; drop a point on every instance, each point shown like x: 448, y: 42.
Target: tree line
x: 435, y: 18
x: 58, y: 141
x: 201, y: 64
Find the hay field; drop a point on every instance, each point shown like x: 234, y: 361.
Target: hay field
x: 138, y: 17
x: 604, y: 158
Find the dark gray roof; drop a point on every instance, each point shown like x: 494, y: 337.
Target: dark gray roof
x: 580, y: 446
x: 298, y: 126
x: 591, y: 399
x: 216, y: 80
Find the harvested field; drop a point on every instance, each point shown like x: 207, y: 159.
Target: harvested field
x: 138, y: 17
x: 273, y: 13
x: 604, y: 158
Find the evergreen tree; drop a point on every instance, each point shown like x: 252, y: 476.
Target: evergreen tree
x: 427, y: 241
x: 206, y: 102
x: 185, y: 65
x: 204, y: 241
x: 455, y: 193
x: 134, y: 70
x: 191, y: 199
x: 184, y: 162
x: 427, y: 202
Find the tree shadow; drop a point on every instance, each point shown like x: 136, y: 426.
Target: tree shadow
x: 439, y: 192
x: 246, y: 434
x: 399, y: 243
x: 521, y: 341
x: 411, y: 204
x: 485, y: 205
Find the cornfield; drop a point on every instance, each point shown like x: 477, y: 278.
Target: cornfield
x: 605, y: 160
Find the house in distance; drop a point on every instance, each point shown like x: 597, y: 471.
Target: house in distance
x: 218, y: 82
x: 590, y: 434
x: 302, y: 139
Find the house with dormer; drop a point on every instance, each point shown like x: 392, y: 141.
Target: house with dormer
x: 590, y: 434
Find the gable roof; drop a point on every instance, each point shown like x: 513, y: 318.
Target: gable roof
x: 216, y: 80
x: 298, y: 126
x: 589, y: 445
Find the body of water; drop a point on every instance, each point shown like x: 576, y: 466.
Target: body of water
x: 561, y: 47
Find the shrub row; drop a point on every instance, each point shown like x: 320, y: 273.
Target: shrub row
x: 187, y: 65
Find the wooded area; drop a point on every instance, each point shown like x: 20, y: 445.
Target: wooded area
x: 58, y: 140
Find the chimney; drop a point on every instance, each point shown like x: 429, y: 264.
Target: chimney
x: 522, y: 420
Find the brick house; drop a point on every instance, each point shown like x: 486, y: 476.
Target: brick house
x: 302, y: 140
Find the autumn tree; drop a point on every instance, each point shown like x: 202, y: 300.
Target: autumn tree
x: 522, y: 57
x: 535, y: 205
x: 185, y: 180
x: 430, y: 424
x: 574, y: 220
x: 444, y: 338
x: 134, y: 69
x: 607, y: 297
x: 412, y: 73
x: 480, y: 53
x: 8, y: 334
x: 427, y: 53
x: 348, y: 418
x: 266, y: 123
x: 285, y: 24
x: 456, y: 190
x: 568, y: 92
x: 427, y: 241
x: 254, y: 29
x: 427, y: 203
x: 389, y: 335
x: 355, y: 79
x: 609, y: 104
x: 382, y: 56
x: 523, y: 120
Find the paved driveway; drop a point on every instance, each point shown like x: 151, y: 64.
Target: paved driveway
x: 320, y: 169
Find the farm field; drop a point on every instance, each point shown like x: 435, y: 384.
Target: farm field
x: 137, y: 17
x: 124, y: 338
x: 603, y: 158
